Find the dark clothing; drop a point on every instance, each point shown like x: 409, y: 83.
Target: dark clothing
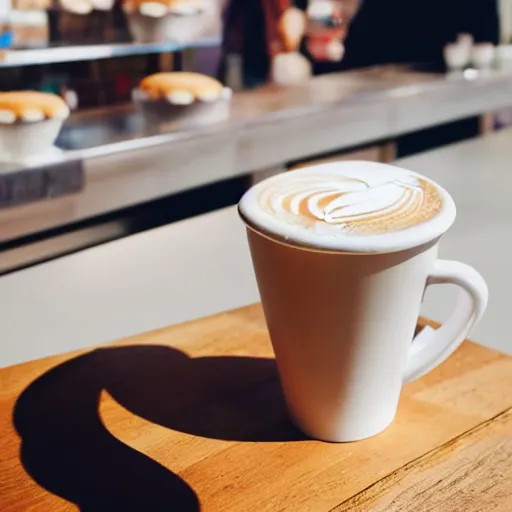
x: 382, y: 32
x: 407, y: 31
x: 245, y: 33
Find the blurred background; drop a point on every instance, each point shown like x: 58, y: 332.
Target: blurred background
x: 436, y: 73
x: 128, y: 220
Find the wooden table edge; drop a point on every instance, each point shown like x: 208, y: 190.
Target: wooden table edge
x: 377, y: 489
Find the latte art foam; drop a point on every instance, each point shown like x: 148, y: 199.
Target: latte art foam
x: 366, y: 205
x: 349, y: 206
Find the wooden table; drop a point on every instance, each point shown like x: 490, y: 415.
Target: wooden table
x: 191, y: 417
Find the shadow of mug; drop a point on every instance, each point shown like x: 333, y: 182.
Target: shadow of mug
x: 68, y: 451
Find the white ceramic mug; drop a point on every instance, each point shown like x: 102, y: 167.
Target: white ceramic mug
x: 342, y: 323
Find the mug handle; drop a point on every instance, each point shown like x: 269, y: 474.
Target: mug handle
x: 432, y: 346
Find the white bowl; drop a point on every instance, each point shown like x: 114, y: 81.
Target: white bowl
x: 456, y: 56
x: 21, y: 142
x: 170, y: 116
x: 483, y: 55
x: 290, y: 68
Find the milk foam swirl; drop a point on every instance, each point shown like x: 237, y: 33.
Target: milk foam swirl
x: 357, y: 202
x: 358, y: 207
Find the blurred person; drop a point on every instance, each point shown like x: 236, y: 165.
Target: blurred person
x: 252, y: 30
x: 251, y: 34
x: 403, y: 31
x: 408, y: 32
x: 373, y: 32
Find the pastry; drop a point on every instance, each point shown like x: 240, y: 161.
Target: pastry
x: 182, y: 99
x: 194, y: 85
x: 103, y: 5
x: 152, y: 21
x: 86, y: 6
x: 158, y: 8
x: 29, y: 124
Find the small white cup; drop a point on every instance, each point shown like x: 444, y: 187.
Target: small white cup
x: 290, y: 68
x: 483, y: 55
x: 457, y: 56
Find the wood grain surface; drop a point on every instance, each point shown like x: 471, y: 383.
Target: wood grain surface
x: 473, y: 472
x: 191, y: 418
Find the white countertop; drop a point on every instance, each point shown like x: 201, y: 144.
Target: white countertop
x: 202, y: 266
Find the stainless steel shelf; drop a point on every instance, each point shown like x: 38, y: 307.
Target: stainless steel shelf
x: 32, y: 56
x: 127, y: 162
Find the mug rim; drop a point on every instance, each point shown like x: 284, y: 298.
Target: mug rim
x: 414, y: 236
x: 308, y: 248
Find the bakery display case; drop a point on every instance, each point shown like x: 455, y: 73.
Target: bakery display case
x: 126, y: 149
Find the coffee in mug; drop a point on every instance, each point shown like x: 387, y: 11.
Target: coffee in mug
x: 343, y: 253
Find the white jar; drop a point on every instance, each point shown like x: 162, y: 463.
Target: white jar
x: 483, y: 55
